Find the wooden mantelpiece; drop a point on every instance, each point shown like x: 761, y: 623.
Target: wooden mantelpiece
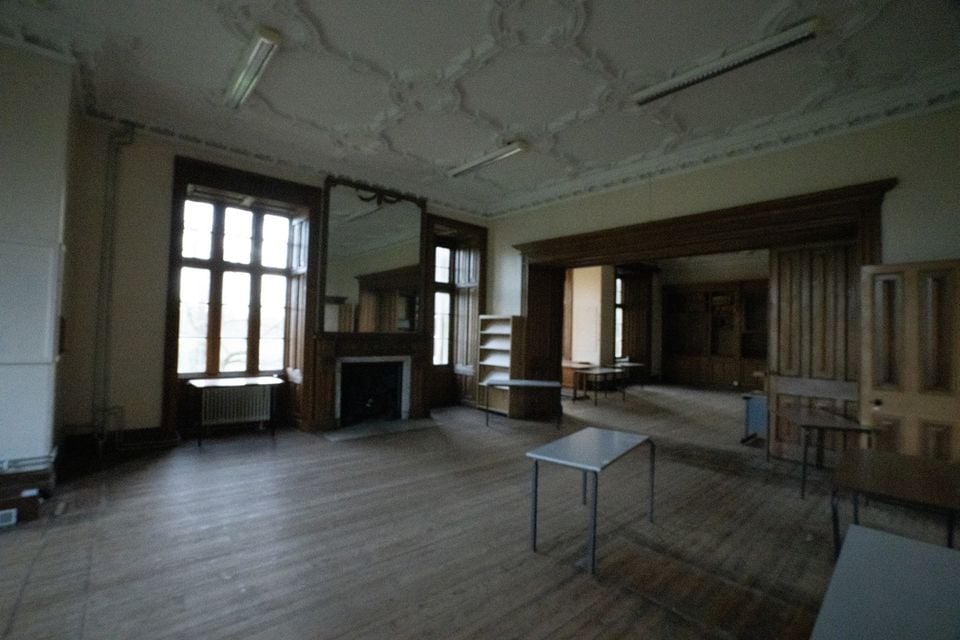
x: 329, y: 347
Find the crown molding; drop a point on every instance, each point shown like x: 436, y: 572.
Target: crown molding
x: 930, y: 95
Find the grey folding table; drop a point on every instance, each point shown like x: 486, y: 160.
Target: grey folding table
x: 598, y: 375
x: 885, y: 587
x: 590, y: 450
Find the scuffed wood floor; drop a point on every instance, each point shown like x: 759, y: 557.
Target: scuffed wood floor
x: 422, y: 534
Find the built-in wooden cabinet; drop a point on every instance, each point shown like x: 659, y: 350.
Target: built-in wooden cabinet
x: 715, y: 334
x: 499, y: 357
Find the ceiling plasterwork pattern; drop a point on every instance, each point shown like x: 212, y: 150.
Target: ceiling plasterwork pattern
x: 397, y: 93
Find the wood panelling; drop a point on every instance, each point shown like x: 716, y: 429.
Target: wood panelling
x: 849, y: 212
x: 911, y: 349
x: 938, y: 305
x: 845, y: 215
x: 809, y: 323
x: 543, y: 338
x: 708, y: 339
x: 637, y: 308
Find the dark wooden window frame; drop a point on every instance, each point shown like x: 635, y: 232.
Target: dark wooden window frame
x: 189, y: 171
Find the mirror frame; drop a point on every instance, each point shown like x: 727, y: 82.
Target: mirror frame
x: 381, y: 192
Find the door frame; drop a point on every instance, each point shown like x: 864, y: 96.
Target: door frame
x: 851, y: 213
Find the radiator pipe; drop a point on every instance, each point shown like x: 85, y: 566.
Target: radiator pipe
x: 102, y: 343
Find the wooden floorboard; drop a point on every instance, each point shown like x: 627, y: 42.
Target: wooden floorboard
x: 425, y: 534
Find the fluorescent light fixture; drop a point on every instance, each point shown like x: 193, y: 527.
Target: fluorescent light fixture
x: 264, y: 44
x: 494, y: 156
x: 750, y: 53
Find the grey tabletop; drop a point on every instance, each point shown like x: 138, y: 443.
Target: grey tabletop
x: 589, y: 449
x: 885, y: 586
x: 248, y: 381
x: 598, y: 370
x: 516, y: 382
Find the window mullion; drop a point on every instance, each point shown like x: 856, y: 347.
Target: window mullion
x: 216, y: 293
x: 256, y: 271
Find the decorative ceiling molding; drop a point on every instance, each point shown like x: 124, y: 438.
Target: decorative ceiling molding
x: 398, y: 96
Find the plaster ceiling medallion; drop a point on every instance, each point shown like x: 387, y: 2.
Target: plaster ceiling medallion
x: 398, y: 93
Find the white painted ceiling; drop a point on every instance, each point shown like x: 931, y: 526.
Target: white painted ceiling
x: 397, y: 92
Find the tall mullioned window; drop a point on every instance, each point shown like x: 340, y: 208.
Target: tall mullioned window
x: 618, y: 321
x: 234, y: 289
x: 442, y: 305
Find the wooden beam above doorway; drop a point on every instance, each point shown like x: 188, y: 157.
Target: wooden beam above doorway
x: 846, y: 213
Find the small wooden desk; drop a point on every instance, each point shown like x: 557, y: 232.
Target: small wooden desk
x: 208, y: 386
x: 597, y: 375
x: 821, y: 421
x: 920, y: 483
x: 589, y: 450
x: 515, y: 383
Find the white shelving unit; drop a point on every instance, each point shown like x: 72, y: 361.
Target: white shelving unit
x: 498, y: 358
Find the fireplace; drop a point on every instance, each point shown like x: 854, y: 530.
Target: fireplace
x: 372, y: 388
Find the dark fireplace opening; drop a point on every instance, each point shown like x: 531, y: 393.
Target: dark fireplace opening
x: 370, y: 391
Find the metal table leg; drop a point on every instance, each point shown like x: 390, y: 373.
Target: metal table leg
x: 653, y: 456
x: 486, y: 404
x: 834, y: 504
x: 533, y: 510
x: 856, y: 508
x: 803, y: 473
x: 583, y: 487
x: 951, y: 527
x: 592, y: 542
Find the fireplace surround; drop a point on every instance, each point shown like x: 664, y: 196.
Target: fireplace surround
x: 372, y: 388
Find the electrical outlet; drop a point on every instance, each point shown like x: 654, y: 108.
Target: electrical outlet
x: 8, y: 517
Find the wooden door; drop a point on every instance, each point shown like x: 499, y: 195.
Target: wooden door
x: 911, y: 357
x: 814, y: 343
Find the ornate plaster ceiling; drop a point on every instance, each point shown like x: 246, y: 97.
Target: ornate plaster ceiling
x: 398, y: 92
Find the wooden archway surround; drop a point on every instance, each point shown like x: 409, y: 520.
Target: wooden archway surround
x: 849, y: 217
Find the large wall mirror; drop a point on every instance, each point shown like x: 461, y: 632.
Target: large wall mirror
x: 373, y: 277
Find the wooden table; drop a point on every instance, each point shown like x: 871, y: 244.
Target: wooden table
x: 590, y: 450
x: 807, y: 420
x: 597, y: 375
x: 516, y: 383
x: 920, y: 483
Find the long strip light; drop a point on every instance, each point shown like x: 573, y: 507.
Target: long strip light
x: 750, y: 53
x: 494, y: 156
x: 264, y: 44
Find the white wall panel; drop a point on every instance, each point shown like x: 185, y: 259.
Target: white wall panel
x: 28, y: 289
x: 26, y: 410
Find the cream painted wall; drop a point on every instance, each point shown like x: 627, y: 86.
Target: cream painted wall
x: 593, y: 316
x: 585, y: 343
x: 144, y: 206
x: 921, y: 216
